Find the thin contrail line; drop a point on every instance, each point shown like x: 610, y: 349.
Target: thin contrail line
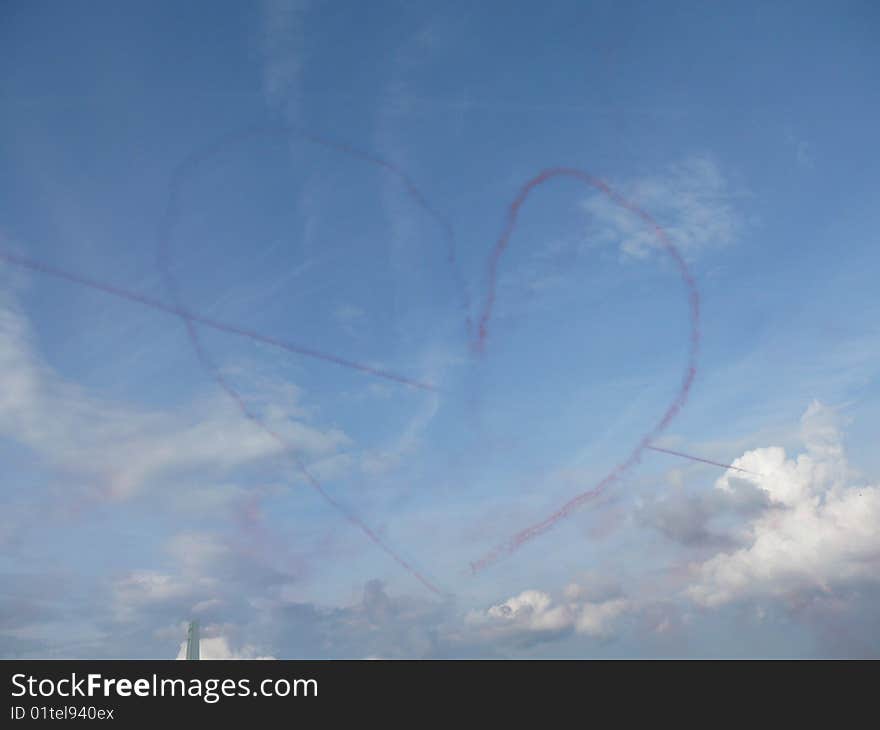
x: 152, y: 303
x: 700, y: 459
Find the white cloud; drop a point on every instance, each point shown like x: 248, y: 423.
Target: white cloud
x: 534, y: 611
x: 196, y: 552
x: 204, y: 575
x: 143, y: 588
x: 595, y: 619
x: 820, y: 534
x: 118, y: 450
x: 692, y: 201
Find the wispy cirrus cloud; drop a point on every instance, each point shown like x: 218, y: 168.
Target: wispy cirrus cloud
x: 692, y: 200
x: 119, y: 449
x: 283, y: 35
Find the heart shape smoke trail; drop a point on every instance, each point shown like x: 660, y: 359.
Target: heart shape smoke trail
x: 480, y: 337
x: 184, y: 170
x: 677, y: 403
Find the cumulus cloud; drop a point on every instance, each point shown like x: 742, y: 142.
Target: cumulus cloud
x: 821, y: 535
x: 147, y: 586
x: 535, y: 613
x: 692, y: 201
x: 200, y: 574
x: 696, y: 519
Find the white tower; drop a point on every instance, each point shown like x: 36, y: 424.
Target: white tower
x: 192, y: 640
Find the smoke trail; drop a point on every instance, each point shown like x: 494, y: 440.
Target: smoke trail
x: 219, y: 378
x: 189, y: 318
x: 186, y: 168
x: 147, y: 301
x: 189, y: 165
x: 700, y: 459
x: 529, y: 533
x: 478, y: 338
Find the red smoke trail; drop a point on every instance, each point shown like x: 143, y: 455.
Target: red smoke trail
x: 162, y: 259
x: 697, y: 458
x: 531, y: 532
x: 147, y: 301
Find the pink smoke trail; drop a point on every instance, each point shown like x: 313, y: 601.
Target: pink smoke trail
x: 173, y: 287
x: 529, y: 533
x: 147, y: 301
x: 700, y: 459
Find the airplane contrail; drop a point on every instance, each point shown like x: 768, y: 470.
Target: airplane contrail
x: 121, y: 293
x: 700, y: 459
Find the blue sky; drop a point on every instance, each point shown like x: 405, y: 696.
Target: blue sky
x: 135, y: 493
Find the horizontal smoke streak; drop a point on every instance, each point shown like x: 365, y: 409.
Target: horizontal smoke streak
x: 152, y: 303
x: 700, y: 459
